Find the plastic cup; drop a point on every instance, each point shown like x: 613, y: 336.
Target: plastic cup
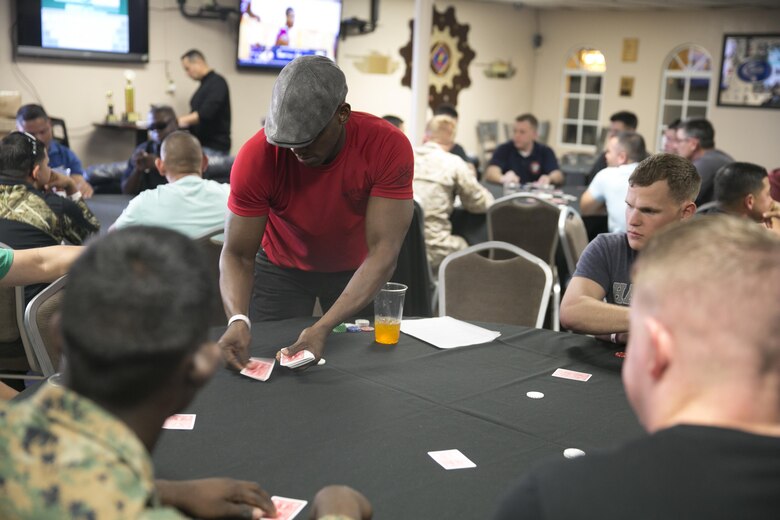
x: 388, y: 310
x: 510, y: 188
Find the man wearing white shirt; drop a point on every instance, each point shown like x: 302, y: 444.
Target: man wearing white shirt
x: 189, y: 203
x: 608, y: 188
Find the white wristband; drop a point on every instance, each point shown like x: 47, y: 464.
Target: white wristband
x: 613, y: 337
x: 240, y: 317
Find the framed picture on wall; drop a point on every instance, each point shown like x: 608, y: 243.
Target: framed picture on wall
x: 750, y: 71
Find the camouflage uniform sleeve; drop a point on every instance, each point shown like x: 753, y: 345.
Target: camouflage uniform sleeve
x: 79, y: 221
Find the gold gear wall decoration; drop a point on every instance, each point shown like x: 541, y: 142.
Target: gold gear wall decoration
x: 450, y: 56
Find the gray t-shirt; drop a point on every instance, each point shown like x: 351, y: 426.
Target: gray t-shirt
x: 607, y: 261
x: 707, y: 165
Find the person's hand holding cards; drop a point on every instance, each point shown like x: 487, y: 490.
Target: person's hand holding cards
x: 311, y: 342
x: 235, y: 343
x: 217, y: 498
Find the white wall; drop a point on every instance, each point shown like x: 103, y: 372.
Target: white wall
x: 747, y: 134
x: 76, y: 90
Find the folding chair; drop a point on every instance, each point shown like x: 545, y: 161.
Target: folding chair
x: 39, y: 325
x: 414, y: 270
x: 573, y: 237
x: 515, y: 290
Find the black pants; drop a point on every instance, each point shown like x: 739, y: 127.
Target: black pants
x: 280, y: 293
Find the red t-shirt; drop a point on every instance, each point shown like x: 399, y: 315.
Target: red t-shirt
x: 316, y: 216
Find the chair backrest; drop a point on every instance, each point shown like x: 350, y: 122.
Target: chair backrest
x: 39, y: 324
x: 15, y: 351
x: 526, y: 221
x: 573, y: 236
x: 213, y: 251
x: 487, y: 137
x: 709, y: 207
x: 59, y: 130
x: 514, y: 291
x: 413, y: 268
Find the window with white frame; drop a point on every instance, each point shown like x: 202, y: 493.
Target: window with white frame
x: 685, y: 88
x: 583, y: 77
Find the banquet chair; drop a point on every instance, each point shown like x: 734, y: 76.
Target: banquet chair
x: 213, y: 249
x: 476, y: 287
x: 41, y: 327
x: 573, y: 237
x: 59, y: 130
x: 16, y: 356
x: 414, y: 270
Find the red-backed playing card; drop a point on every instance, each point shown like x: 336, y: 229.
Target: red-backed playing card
x: 287, y: 508
x: 571, y: 374
x: 180, y: 421
x: 259, y: 368
x: 451, y: 459
x: 299, y: 358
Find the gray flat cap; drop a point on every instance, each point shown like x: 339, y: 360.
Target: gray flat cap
x: 306, y: 95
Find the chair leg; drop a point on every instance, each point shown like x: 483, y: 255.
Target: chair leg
x: 556, y: 317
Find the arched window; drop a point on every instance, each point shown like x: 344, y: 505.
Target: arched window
x: 685, y: 88
x: 581, y: 97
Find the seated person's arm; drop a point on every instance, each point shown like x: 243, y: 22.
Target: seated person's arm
x: 139, y: 165
x: 590, y: 205
x: 583, y: 309
x: 42, y: 264
x: 387, y: 221
x: 215, y: 498
x: 493, y: 174
x: 79, y: 221
x: 475, y: 197
x: 554, y: 177
x: 73, y: 163
x: 236, y: 279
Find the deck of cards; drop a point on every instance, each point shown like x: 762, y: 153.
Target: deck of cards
x: 259, y: 368
x: 287, y: 508
x: 298, y: 359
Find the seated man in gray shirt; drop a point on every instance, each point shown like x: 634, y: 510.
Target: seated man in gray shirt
x: 696, y: 142
x: 661, y: 190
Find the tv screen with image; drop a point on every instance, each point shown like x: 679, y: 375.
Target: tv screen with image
x: 750, y: 71
x: 272, y: 33
x: 114, y: 30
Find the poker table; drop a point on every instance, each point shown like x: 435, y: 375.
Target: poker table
x: 369, y: 416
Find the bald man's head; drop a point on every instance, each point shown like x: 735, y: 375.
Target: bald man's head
x: 181, y: 153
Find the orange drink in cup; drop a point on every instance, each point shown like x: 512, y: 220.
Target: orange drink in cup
x: 388, y: 310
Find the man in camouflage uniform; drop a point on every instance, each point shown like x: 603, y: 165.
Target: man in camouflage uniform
x: 438, y: 177
x: 134, y: 323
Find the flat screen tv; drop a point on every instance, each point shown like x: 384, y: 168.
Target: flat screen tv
x: 750, y: 71
x: 113, y: 30
x: 272, y: 33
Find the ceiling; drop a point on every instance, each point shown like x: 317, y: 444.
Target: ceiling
x: 634, y: 5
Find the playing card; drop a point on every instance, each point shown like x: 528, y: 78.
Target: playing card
x: 451, y: 459
x: 571, y: 374
x: 259, y: 368
x: 180, y: 421
x: 299, y: 358
x: 287, y: 508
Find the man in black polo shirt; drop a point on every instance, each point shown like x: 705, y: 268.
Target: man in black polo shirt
x: 522, y: 159
x: 209, y: 120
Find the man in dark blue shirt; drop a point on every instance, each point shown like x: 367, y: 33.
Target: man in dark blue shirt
x: 522, y: 159
x: 34, y: 120
x: 141, y: 173
x: 209, y: 119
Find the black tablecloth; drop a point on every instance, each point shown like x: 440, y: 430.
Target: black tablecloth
x: 368, y: 417
x: 107, y: 208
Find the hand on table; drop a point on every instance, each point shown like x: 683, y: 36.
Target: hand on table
x: 510, y: 176
x: 341, y: 500
x: 310, y: 339
x: 84, y: 187
x: 216, y: 498
x: 235, y: 345
x: 543, y: 180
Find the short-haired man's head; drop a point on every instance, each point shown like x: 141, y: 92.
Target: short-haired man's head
x: 701, y: 129
x: 441, y: 129
x: 680, y: 174
x: 735, y: 181
x: 633, y: 145
x: 716, y: 274
x: 193, y: 54
x: 181, y: 152
x: 19, y: 154
x: 165, y: 111
x: 446, y: 109
x: 136, y: 305
x: 30, y: 112
x: 394, y: 120
x: 674, y: 125
x: 529, y: 118
x: 628, y: 119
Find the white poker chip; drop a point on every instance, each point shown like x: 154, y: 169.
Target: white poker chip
x: 321, y: 362
x: 362, y: 323
x: 573, y: 453
x: 535, y: 395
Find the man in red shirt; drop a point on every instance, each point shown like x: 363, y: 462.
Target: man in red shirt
x: 328, y: 191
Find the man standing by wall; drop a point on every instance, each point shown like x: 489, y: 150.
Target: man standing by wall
x: 209, y: 119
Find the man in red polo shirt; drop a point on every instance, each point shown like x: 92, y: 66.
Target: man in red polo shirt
x: 329, y: 193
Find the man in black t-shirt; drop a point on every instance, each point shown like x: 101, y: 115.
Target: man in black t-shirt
x: 702, y: 373
x: 209, y: 119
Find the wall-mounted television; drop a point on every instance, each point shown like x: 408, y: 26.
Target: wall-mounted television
x: 113, y: 30
x: 272, y: 33
x: 750, y: 71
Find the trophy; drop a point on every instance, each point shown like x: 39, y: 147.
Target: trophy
x: 110, y: 116
x: 130, y: 114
